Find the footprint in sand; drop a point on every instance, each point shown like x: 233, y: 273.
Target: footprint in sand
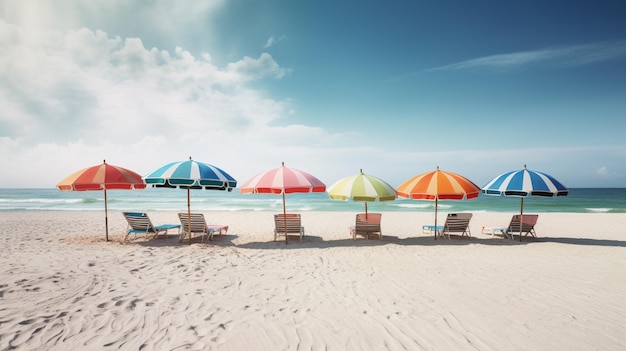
x: 131, y: 306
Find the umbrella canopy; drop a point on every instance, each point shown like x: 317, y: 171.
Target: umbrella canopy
x: 283, y: 180
x: 191, y: 174
x: 188, y: 175
x: 438, y: 185
x: 523, y: 183
x: 362, y: 187
x: 102, y: 177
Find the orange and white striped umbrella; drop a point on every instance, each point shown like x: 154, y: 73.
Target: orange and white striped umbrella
x: 438, y: 185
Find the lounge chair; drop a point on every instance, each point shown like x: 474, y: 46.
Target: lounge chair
x: 288, y: 224
x: 528, y: 226
x: 140, y: 223
x: 198, y: 224
x: 456, y: 223
x: 367, y: 225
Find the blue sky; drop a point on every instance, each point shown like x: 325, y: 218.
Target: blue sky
x: 395, y: 88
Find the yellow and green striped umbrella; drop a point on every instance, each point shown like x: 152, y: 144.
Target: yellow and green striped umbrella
x: 362, y: 187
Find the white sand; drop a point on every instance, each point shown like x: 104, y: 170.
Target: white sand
x: 63, y: 288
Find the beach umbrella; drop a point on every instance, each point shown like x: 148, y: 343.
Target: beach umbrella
x: 362, y: 187
x: 189, y: 175
x: 102, y: 177
x: 438, y: 185
x: 283, y: 180
x: 523, y: 183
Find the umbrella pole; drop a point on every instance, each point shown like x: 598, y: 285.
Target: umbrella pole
x: 366, y: 210
x: 285, y: 218
x: 189, y: 215
x: 106, y: 215
x: 436, y: 206
x: 521, y: 219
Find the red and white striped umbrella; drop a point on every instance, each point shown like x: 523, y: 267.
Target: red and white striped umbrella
x: 102, y: 177
x: 283, y: 180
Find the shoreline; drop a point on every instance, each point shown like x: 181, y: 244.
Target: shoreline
x: 582, y: 201
x: 63, y: 287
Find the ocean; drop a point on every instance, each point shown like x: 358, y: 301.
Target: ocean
x: 579, y: 200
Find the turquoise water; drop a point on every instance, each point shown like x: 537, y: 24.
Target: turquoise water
x: 579, y: 200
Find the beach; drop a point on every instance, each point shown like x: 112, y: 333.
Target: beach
x: 62, y: 287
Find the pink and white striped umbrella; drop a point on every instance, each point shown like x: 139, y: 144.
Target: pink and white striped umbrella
x: 283, y: 180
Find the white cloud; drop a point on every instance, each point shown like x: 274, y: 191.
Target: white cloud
x: 561, y: 56
x: 271, y: 41
x: 249, y: 68
x: 170, y: 21
x: 83, y: 95
x: 86, y: 79
x: 602, y: 171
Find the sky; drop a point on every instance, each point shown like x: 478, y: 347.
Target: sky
x: 395, y: 88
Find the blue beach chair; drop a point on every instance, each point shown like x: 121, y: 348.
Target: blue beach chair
x: 140, y: 223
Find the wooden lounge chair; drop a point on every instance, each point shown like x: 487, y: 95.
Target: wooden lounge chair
x: 198, y: 224
x: 528, y: 226
x: 288, y: 224
x: 140, y: 223
x: 367, y: 225
x: 456, y: 223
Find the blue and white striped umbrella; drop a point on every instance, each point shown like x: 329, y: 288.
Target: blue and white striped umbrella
x: 523, y: 183
x: 191, y: 174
